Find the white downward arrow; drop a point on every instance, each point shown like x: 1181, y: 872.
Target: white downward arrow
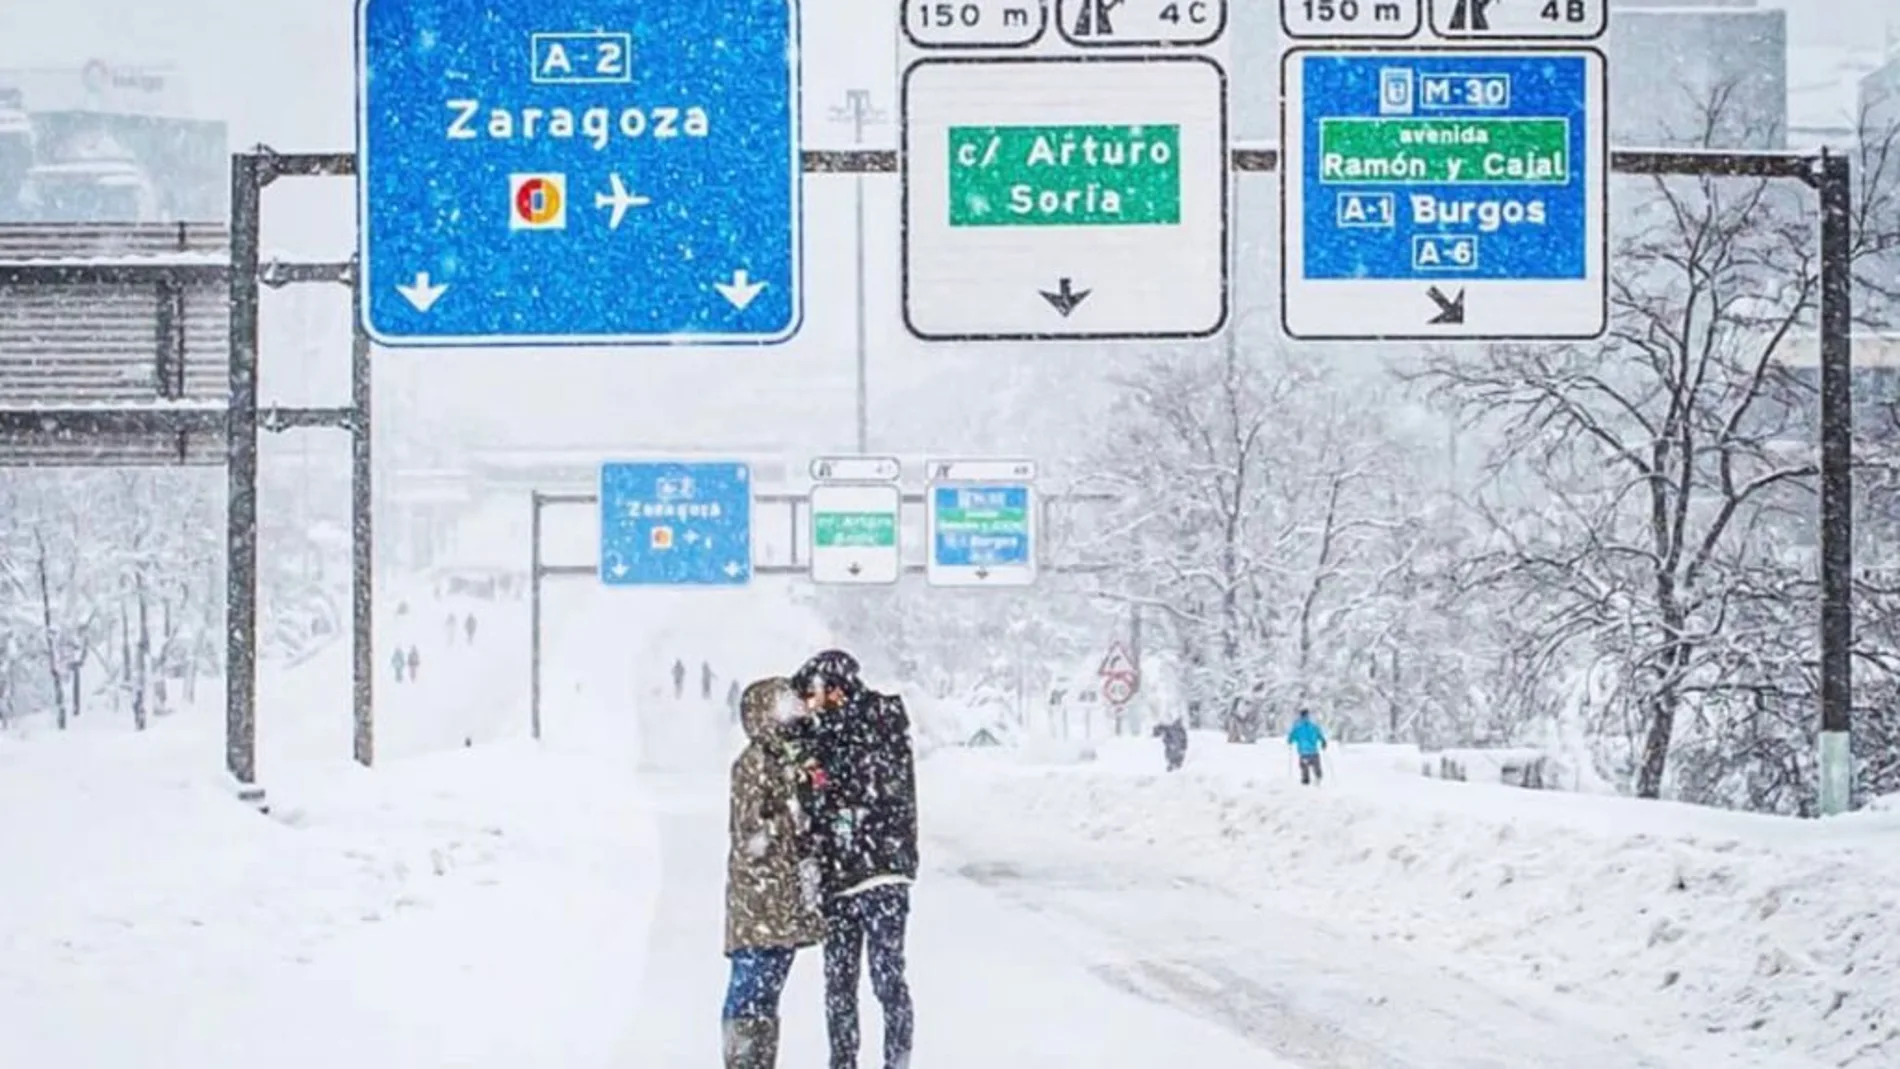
x: 741, y: 291
x: 422, y: 293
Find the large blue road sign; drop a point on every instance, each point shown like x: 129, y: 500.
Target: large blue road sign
x: 578, y: 171
x: 675, y: 524
x: 981, y: 534
x: 1444, y: 195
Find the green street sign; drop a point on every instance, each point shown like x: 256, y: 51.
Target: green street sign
x: 1090, y: 175
x: 840, y: 530
x: 1445, y: 151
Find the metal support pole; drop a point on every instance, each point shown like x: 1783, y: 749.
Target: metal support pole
x: 362, y: 543
x: 857, y: 111
x: 864, y: 386
x: 240, y: 589
x: 534, y: 616
x: 791, y: 528
x: 1837, y: 487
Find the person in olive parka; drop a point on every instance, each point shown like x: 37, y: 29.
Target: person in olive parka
x: 772, y: 879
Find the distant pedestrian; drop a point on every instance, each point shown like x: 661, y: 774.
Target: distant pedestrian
x: 679, y: 679
x: 1307, y: 741
x: 705, y: 681
x: 399, y: 663
x: 471, y: 629
x: 733, y: 700
x: 1174, y: 741
x: 415, y: 662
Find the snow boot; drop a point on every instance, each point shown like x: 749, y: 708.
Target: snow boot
x: 751, y: 1043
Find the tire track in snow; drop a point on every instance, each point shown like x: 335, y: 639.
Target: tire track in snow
x: 1318, y: 997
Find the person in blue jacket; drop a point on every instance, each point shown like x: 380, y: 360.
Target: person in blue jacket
x: 1307, y: 740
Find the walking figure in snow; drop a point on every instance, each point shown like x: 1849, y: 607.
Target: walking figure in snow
x: 865, y: 816
x: 733, y: 701
x: 772, y: 880
x: 471, y: 629
x: 1307, y: 740
x: 415, y: 662
x: 399, y: 662
x: 1174, y: 740
x: 679, y: 678
x: 705, y: 681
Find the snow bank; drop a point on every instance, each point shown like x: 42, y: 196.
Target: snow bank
x: 1780, y: 932
x: 462, y: 908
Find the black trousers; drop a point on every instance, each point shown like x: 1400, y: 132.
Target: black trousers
x: 870, y: 923
x: 1309, y: 768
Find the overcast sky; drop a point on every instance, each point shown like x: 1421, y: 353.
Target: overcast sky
x: 232, y: 49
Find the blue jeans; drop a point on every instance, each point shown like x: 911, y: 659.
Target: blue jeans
x: 758, y: 978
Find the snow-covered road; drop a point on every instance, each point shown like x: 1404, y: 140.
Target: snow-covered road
x: 990, y: 988
x: 1346, y: 928
x: 1312, y: 992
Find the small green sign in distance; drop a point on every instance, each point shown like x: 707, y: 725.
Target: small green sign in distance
x: 841, y: 529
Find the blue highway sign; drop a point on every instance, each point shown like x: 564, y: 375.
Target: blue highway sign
x: 578, y: 172
x: 981, y: 534
x: 1444, y: 195
x: 675, y: 524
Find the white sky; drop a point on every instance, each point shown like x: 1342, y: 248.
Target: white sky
x: 281, y: 69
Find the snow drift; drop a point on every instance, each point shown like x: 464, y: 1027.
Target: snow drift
x: 1779, y: 932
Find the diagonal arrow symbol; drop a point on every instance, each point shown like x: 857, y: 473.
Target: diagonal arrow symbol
x: 1451, y: 310
x: 1066, y: 297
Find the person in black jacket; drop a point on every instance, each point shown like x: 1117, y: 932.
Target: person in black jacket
x: 1174, y: 741
x: 865, y: 817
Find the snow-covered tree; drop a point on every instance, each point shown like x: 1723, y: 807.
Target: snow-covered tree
x: 1652, y: 496
x: 1265, y: 521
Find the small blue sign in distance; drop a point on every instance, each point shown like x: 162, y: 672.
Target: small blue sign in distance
x: 579, y: 172
x: 981, y: 526
x: 675, y: 523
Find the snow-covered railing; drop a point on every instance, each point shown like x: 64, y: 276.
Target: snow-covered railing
x: 114, y: 344
x: 90, y: 242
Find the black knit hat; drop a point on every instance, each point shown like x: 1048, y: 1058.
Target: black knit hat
x: 830, y: 668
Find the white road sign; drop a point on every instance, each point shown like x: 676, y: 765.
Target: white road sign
x: 1516, y: 20
x: 976, y: 471
x: 1141, y: 23
x: 1065, y: 198
x: 854, y: 533
x: 1350, y: 20
x: 974, y: 23
x: 856, y: 469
